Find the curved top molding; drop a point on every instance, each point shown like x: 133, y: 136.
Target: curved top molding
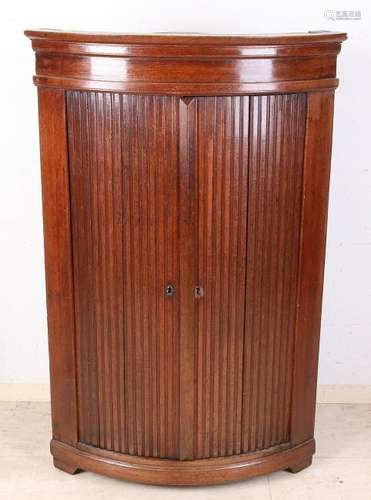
x: 187, y: 38
x: 186, y: 64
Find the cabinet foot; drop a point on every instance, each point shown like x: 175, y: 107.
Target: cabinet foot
x: 70, y: 469
x: 302, y: 465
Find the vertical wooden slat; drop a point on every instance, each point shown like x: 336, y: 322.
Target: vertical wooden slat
x: 118, y: 288
x: 278, y: 276
x: 254, y: 265
x: 271, y: 264
x: 232, y: 368
x: 161, y: 278
x: 284, y: 279
x: 187, y: 114
x: 209, y: 262
x: 174, y: 360
x: 152, y: 221
x: 146, y: 288
x: 243, y: 200
x: 216, y: 275
x: 96, y: 315
x: 225, y: 273
x: 128, y: 429
x: 109, y: 313
x: 110, y: 261
x: 73, y: 123
x: 262, y: 272
x: 89, y: 256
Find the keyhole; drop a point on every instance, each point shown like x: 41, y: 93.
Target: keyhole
x: 169, y: 290
x: 199, y: 292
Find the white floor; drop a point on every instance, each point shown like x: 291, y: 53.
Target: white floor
x: 341, y: 468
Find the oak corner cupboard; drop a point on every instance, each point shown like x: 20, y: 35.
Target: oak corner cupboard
x: 185, y: 187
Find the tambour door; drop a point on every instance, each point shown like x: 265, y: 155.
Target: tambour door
x: 125, y: 209
x: 248, y: 174
x: 186, y: 225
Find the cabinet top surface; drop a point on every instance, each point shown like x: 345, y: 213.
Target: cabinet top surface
x: 187, y: 38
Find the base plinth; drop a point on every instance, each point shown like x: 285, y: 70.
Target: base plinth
x: 177, y: 472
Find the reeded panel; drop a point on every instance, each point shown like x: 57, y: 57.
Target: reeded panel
x: 124, y: 197
x: 244, y: 156
x: 248, y: 172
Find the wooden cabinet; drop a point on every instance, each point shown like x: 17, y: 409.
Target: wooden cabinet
x: 185, y: 187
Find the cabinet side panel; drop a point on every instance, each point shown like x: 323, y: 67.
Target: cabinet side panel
x: 124, y: 189
x: 312, y: 258
x: 58, y: 263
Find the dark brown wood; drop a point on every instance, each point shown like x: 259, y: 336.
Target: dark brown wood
x: 185, y: 189
x: 316, y: 172
x: 183, y: 472
x: 186, y: 65
x: 277, y: 126
x: 125, y: 209
x: 58, y: 263
x: 198, y: 39
x: 187, y: 245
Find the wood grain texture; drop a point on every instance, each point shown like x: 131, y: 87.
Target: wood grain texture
x: 317, y: 158
x: 277, y: 127
x: 182, y: 472
x: 242, y: 157
x: 185, y: 190
x: 249, y: 180
x: 125, y: 240
x: 58, y: 264
x: 221, y: 167
x: 186, y: 65
x: 189, y: 39
x: 187, y: 276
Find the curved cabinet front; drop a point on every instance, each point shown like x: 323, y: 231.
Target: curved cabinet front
x: 184, y: 221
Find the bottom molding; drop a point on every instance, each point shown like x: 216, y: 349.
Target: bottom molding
x: 175, y: 472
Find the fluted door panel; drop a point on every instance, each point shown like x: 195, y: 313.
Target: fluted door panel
x: 206, y: 192
x: 248, y: 173
x: 124, y: 203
